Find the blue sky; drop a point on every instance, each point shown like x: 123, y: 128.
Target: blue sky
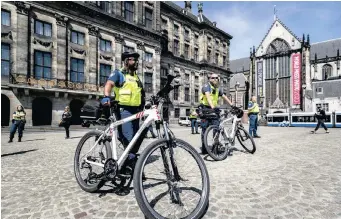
x: 248, y: 22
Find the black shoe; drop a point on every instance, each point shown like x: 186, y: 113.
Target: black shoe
x: 203, y: 151
x: 19, y: 139
x: 197, y: 133
x: 67, y: 137
x: 257, y: 136
x: 192, y: 133
x: 10, y: 140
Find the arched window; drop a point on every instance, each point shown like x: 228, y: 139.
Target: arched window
x: 326, y: 71
x: 276, y: 46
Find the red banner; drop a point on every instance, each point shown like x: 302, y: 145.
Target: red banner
x: 296, y: 78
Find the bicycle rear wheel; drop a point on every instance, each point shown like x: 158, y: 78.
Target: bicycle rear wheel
x: 243, y: 136
x: 88, y: 181
x: 214, y: 147
x: 178, y: 203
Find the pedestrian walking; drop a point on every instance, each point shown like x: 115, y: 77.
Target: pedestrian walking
x: 253, y: 111
x: 194, y: 122
x: 321, y: 118
x: 66, y: 121
x: 18, y: 122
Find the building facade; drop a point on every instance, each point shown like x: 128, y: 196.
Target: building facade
x: 286, y: 72
x: 196, y: 48
x: 56, y: 54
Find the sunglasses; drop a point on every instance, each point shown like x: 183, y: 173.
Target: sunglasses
x: 214, y: 78
x: 132, y: 59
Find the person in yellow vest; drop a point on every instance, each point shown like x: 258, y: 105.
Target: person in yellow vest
x: 209, y: 99
x: 253, y: 111
x: 129, y: 92
x: 194, y: 123
x: 18, y: 122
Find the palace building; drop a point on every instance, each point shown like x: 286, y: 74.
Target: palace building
x: 288, y: 73
x: 55, y: 54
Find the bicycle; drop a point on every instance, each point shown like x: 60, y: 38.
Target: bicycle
x: 224, y: 140
x: 110, y: 166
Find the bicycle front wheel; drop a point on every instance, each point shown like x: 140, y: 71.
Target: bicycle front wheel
x: 213, y: 143
x: 162, y: 194
x: 243, y: 136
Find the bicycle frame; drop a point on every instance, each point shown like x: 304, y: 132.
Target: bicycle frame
x: 234, y: 126
x: 152, y: 115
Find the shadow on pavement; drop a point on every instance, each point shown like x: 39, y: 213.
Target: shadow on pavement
x: 75, y: 137
x: 19, y: 152
x: 39, y: 139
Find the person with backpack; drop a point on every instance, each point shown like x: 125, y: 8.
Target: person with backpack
x: 321, y: 118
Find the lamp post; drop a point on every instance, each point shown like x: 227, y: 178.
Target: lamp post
x: 236, y: 86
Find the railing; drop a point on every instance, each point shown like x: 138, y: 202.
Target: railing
x: 48, y: 83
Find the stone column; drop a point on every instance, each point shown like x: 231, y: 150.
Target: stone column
x: 61, y: 46
x: 93, y: 55
x: 202, y: 46
x: 157, y: 69
x: 140, y: 51
x: 277, y: 79
x: 119, y: 42
x: 23, y: 41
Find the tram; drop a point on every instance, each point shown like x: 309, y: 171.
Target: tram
x: 337, y: 121
x: 278, y: 119
x: 304, y: 119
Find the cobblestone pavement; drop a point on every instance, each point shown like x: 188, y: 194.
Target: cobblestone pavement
x: 293, y: 174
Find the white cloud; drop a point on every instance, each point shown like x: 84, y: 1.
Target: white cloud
x: 245, y: 29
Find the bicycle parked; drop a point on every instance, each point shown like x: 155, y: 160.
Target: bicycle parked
x: 224, y: 138
x: 176, y: 182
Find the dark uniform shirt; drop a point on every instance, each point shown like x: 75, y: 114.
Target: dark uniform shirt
x: 207, y: 88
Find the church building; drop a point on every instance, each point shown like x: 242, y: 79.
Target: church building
x: 288, y: 73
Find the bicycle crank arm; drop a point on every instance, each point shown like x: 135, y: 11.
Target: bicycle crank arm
x: 94, y: 163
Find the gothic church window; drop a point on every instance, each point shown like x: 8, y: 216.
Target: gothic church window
x: 277, y: 46
x: 326, y: 71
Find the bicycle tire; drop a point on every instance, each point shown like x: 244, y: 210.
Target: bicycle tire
x: 249, y: 137
x: 138, y: 190
x: 84, y: 186
x: 213, y: 155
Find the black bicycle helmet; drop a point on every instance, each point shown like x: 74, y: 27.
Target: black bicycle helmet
x: 129, y: 54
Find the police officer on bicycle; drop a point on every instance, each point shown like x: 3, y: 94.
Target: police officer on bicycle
x: 209, y: 100
x: 129, y: 92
